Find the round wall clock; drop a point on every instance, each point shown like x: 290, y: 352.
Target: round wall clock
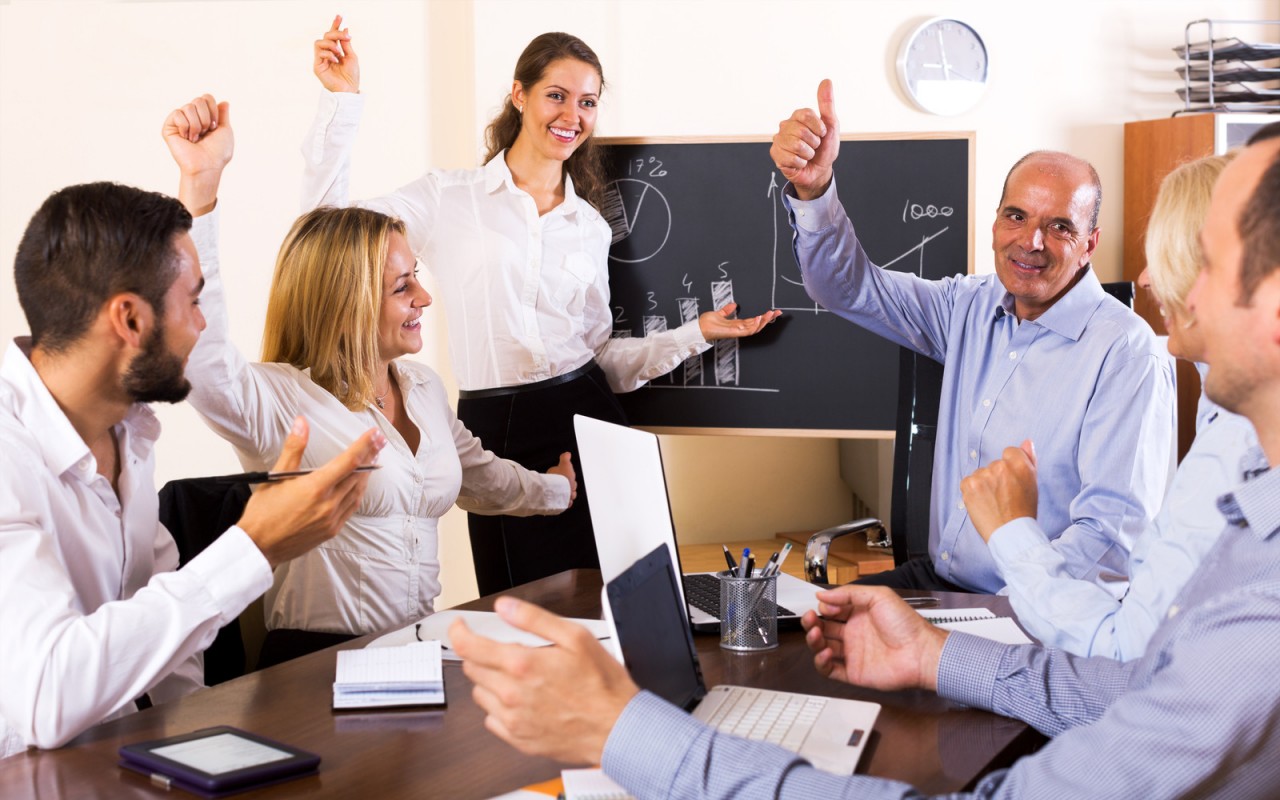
x: 942, y: 66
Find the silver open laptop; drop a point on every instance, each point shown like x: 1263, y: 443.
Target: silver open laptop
x: 643, y: 608
x: 631, y: 514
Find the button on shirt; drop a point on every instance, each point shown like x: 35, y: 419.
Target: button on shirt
x: 526, y: 296
x: 92, y: 611
x: 1086, y: 381
x: 1082, y: 617
x: 382, y: 570
x: 1194, y: 717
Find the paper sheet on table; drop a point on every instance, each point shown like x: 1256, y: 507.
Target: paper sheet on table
x: 485, y: 623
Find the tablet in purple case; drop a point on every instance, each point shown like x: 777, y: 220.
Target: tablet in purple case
x: 216, y: 762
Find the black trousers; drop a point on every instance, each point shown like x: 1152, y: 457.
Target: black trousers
x: 286, y: 644
x: 533, y: 428
x: 916, y: 573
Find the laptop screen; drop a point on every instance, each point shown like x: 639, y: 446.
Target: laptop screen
x: 653, y: 630
x: 630, y: 510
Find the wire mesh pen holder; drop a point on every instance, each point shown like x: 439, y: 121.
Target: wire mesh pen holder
x: 748, y: 611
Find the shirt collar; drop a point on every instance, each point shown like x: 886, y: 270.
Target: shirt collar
x: 59, y: 443
x: 417, y: 377
x: 1255, y: 504
x: 1070, y: 315
x: 497, y: 175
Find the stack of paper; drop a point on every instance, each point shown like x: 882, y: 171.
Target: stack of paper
x: 409, y: 675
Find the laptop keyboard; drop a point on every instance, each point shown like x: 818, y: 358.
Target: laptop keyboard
x: 702, y: 590
x: 781, y: 718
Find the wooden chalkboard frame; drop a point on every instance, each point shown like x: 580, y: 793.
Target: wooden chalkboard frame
x: 969, y: 137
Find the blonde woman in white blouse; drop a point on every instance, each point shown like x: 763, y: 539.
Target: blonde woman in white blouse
x: 345, y: 306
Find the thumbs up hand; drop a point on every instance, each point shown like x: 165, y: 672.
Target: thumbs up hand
x: 807, y: 144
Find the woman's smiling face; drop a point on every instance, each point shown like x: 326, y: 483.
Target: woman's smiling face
x: 558, y: 112
x: 403, y: 298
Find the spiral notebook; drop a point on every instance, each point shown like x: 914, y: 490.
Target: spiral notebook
x: 591, y: 784
x: 384, y: 677
x: 977, y: 621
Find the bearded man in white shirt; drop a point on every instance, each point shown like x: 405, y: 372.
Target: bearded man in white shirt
x: 93, y: 612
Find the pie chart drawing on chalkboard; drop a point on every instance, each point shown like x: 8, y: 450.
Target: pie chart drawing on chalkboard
x: 647, y: 216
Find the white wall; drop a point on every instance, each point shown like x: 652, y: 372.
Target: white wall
x: 84, y: 87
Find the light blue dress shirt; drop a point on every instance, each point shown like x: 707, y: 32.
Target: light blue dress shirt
x: 1194, y: 717
x: 1087, y: 381
x: 1082, y: 617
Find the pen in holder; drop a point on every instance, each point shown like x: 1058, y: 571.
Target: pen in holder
x: 748, y: 611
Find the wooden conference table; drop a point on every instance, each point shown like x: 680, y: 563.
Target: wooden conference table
x: 919, y: 738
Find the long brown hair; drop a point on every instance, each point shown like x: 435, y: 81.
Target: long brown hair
x: 586, y: 165
x: 322, y: 313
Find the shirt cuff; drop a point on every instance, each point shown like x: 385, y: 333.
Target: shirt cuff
x: 649, y: 744
x: 968, y: 667
x: 341, y: 106
x: 336, y: 123
x: 553, y: 494
x: 204, y: 230
x: 689, y: 339
x: 1012, y: 540
x: 233, y: 571
x: 818, y: 214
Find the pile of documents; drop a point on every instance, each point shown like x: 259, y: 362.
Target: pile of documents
x: 383, y: 677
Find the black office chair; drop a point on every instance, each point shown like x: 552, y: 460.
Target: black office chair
x: 1121, y: 290
x: 196, y: 511
x: 915, y: 437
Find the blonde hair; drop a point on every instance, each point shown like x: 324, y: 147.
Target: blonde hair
x: 326, y: 295
x: 1173, y: 231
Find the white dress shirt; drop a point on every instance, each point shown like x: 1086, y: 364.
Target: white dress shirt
x: 92, y: 611
x: 526, y: 296
x: 382, y: 570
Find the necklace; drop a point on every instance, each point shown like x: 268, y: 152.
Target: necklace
x: 379, y: 398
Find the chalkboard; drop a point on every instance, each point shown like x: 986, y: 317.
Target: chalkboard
x: 707, y: 225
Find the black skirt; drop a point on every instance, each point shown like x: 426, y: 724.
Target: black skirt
x: 532, y: 425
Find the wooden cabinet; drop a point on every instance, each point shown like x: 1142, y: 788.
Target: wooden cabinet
x: 1152, y: 149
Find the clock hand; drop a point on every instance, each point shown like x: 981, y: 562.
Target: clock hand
x: 942, y: 49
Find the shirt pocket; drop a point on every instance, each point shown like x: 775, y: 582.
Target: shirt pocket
x: 577, y: 273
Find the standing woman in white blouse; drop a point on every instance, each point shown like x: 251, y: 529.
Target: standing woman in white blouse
x: 345, y: 306
x: 519, y: 249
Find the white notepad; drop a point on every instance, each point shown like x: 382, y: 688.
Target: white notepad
x: 409, y: 675
x: 977, y: 621
x: 591, y: 784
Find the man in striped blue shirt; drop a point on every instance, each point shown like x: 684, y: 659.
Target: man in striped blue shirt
x: 1197, y: 716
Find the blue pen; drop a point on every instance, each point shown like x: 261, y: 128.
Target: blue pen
x: 742, y: 568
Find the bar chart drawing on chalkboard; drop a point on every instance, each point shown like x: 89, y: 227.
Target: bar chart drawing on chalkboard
x: 706, y: 225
